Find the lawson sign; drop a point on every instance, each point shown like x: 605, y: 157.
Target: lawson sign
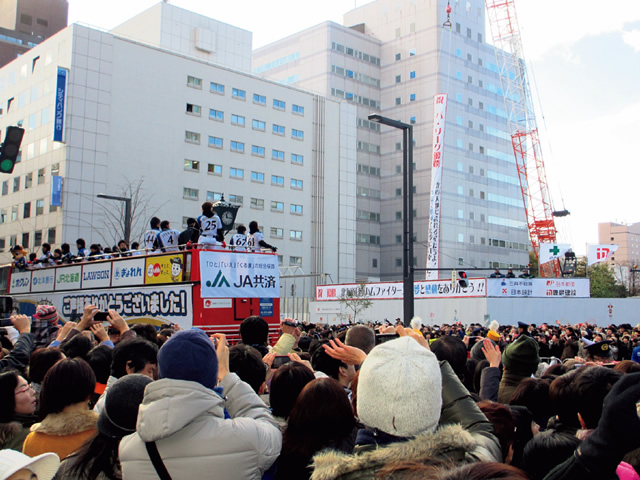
x: 238, y: 275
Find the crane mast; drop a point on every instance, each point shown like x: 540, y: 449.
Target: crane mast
x: 522, y: 127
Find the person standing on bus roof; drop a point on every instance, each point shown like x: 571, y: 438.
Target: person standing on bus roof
x: 190, y: 235
x: 82, y: 248
x: 238, y: 242
x: 210, y: 226
x: 256, y: 239
x: 150, y: 235
x: 167, y: 238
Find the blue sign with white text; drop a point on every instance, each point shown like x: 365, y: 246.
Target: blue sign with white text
x: 61, y: 93
x: 56, y: 191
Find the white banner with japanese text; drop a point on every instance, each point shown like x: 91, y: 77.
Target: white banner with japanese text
x: 538, y: 287
x: 239, y: 275
x: 433, y: 249
x: 128, y: 272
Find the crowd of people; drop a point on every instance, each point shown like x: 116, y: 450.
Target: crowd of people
x: 366, y: 401
x: 205, y: 231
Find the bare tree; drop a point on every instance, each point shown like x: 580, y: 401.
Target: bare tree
x: 355, y: 300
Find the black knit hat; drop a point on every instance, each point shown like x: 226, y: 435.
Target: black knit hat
x: 521, y: 357
x: 120, y: 413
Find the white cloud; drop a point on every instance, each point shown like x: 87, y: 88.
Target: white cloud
x: 632, y: 39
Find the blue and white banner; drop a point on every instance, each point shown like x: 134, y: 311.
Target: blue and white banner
x: 538, y: 287
x: 96, y: 275
x: 61, y: 97
x: 56, y: 191
x: 239, y: 275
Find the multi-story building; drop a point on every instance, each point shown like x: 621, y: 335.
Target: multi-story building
x: 26, y: 23
x: 392, y: 58
x: 626, y: 236
x: 163, y: 109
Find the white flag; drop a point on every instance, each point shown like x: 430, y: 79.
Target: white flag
x: 551, y: 251
x: 600, y: 253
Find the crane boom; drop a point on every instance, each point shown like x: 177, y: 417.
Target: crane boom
x: 522, y: 125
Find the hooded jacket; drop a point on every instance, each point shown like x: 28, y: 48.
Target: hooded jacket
x: 186, y: 421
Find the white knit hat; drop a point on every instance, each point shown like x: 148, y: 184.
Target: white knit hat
x: 44, y: 466
x: 400, y: 389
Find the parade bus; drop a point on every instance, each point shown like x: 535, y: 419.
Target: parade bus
x: 211, y: 289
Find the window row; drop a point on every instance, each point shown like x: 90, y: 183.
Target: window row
x: 48, y: 235
x: 217, y: 142
x: 29, y: 209
x: 40, y: 176
x: 234, y: 172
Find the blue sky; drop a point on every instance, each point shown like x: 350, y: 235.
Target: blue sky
x: 584, y: 66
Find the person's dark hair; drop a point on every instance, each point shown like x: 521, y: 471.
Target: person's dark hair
x: 164, y: 224
x: 591, y: 386
x: 503, y: 423
x: 41, y: 361
x: 533, y: 393
x: 555, y: 371
x: 207, y: 208
x: 68, y: 382
x: 477, y: 374
x: 246, y: 362
x: 65, y: 247
x: 627, y: 366
x: 254, y: 330
x: 563, y: 399
x: 322, y: 362
x: 80, y: 243
x: 453, y: 350
x: 135, y: 246
x: 94, y: 247
x: 77, y: 347
x: 8, y: 384
x: 33, y: 256
x: 126, y: 245
x: 241, y: 228
x: 253, y: 226
x: 191, y: 222
x: 135, y: 353
x: 469, y: 371
x: 154, y: 222
x: 362, y: 337
x: 46, y: 247
x: 546, y: 450
x: 320, y: 417
x: 99, y: 359
x: 164, y: 335
x: 146, y: 331
x: 483, y: 471
x: 286, y: 384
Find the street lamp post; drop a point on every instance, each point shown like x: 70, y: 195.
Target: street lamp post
x: 127, y: 214
x: 407, y: 210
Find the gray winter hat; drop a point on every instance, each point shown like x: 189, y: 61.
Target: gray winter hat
x: 120, y: 413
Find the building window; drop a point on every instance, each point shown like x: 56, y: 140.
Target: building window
x: 5, y: 187
x: 213, y: 196
x: 297, y: 109
x: 259, y: 99
x: 239, y: 94
x: 237, y: 199
x: 296, y: 184
x: 279, y: 104
x: 26, y: 213
x: 277, y: 232
x: 412, y: 74
x: 295, y: 261
x: 214, y: 169
x: 236, y: 172
x: 39, y: 207
x: 257, y: 151
x: 295, y: 235
x: 194, y: 109
x: 216, y: 88
x: 237, y: 146
x: 14, y: 215
x: 297, y: 159
x: 192, y: 165
x: 374, y: 263
x: 412, y: 97
x: 25, y: 240
x: 297, y: 134
x: 216, y: 115
x: 277, y: 155
x: 460, y: 237
x: 257, y: 203
x: 16, y: 184
x: 277, y: 180
x: 41, y: 176
x: 278, y: 129
x: 26, y: 19
x: 192, y: 137
x: 190, y: 193
x: 257, y: 177
x: 215, y: 142
x: 194, y: 82
x: 295, y: 209
x: 277, y: 206
x: 398, y: 78
x: 412, y: 120
x: 51, y: 236
x: 398, y: 57
x: 259, y: 125
x: 28, y: 180
x: 398, y: 100
x: 468, y: 33
x: 237, y: 120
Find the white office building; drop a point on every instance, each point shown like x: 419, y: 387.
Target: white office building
x: 392, y: 57
x: 164, y: 109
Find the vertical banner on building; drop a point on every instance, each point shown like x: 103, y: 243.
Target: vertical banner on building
x: 56, y: 191
x: 61, y: 96
x: 433, y: 251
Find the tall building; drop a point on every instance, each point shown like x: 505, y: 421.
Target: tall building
x: 626, y: 236
x: 163, y: 109
x: 392, y: 57
x: 26, y: 23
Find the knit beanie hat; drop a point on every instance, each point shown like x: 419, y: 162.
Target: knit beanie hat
x: 493, y: 334
x: 47, y: 313
x: 189, y: 355
x: 476, y: 350
x: 521, y: 357
x: 120, y: 413
x: 396, y: 377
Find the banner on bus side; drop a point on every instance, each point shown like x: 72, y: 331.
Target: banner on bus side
x: 239, y: 275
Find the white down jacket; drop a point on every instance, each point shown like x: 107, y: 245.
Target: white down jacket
x: 186, y: 420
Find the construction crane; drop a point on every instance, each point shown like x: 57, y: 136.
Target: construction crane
x: 523, y: 128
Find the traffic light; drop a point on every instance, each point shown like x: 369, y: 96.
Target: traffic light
x: 10, y: 148
x: 463, y: 280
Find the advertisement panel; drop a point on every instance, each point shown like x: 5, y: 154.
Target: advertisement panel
x: 239, y: 275
x: 43, y: 280
x: 96, y: 275
x: 20, y: 282
x: 163, y: 269
x: 69, y: 278
x: 394, y: 290
x: 538, y: 287
x: 156, y: 305
x: 128, y: 272
x: 61, y: 97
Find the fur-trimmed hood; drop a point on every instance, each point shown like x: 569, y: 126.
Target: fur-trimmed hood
x: 67, y: 423
x: 449, y: 442
x: 8, y: 431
